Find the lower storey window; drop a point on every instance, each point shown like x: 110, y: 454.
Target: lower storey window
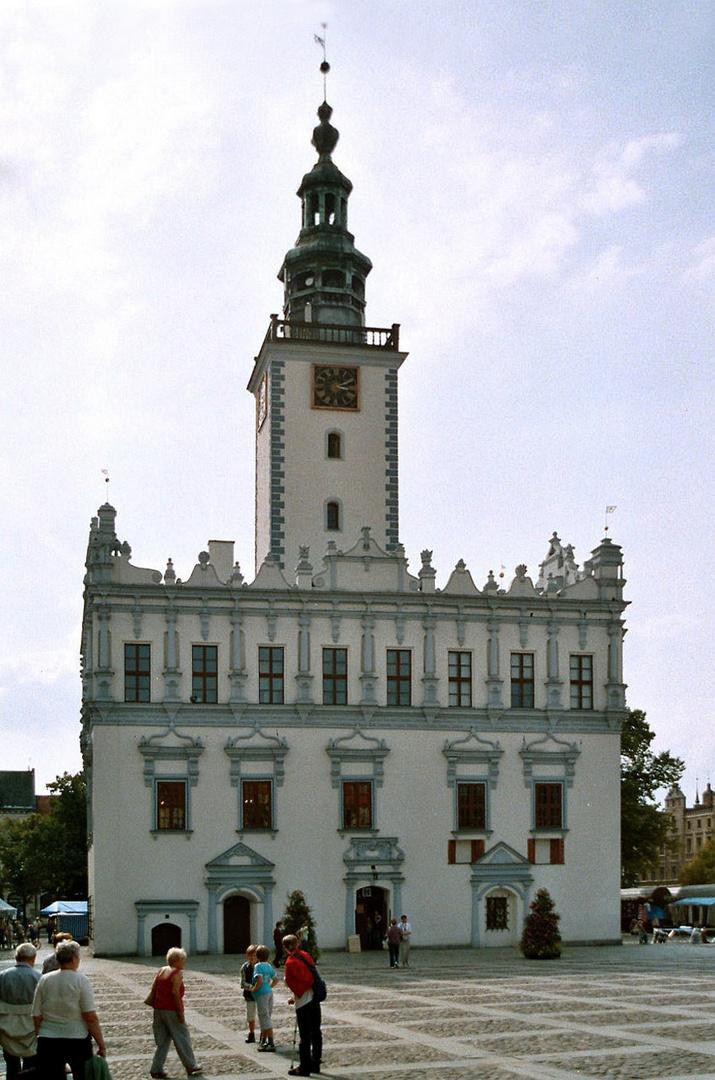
x: 548, y: 806
x: 257, y: 804
x: 357, y: 804
x: 471, y: 806
x: 171, y: 804
x: 497, y: 913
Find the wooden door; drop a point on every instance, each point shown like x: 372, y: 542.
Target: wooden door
x: 371, y: 916
x: 236, y: 924
x: 165, y: 936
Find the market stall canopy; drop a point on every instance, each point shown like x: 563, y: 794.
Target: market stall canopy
x: 7, y: 909
x: 66, y: 907
x: 703, y: 895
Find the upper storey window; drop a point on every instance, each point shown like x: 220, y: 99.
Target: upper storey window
x: 581, y: 672
x: 270, y: 674
x: 137, y: 672
x: 522, y: 680
x: 204, y: 674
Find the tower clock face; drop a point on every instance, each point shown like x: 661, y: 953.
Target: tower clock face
x: 335, y: 387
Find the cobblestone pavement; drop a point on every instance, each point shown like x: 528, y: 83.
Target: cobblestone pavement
x: 623, y: 1013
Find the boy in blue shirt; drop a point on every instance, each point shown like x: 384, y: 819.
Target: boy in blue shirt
x: 264, y: 979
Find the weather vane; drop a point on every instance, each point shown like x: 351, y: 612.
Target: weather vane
x: 609, y: 510
x: 325, y: 66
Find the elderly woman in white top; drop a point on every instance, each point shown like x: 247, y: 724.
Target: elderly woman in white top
x: 65, y: 1018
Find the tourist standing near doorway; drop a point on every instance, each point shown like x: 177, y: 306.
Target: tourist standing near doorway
x: 405, y: 935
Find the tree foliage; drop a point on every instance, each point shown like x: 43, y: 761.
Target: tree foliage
x: 21, y: 858
x: 701, y: 869
x: 297, y: 915
x: 48, y: 855
x: 644, y: 824
x: 541, y: 939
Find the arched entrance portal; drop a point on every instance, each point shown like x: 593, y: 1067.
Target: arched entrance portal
x: 371, y: 916
x: 236, y: 924
x: 165, y: 936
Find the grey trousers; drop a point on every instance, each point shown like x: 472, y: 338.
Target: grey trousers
x: 167, y: 1029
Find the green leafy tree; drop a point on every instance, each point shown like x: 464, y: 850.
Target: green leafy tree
x: 22, y: 859
x: 701, y: 869
x: 297, y: 915
x: 644, y: 824
x: 48, y: 855
x: 66, y: 838
x: 541, y: 939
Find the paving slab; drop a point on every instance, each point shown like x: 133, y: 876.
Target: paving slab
x: 620, y: 1013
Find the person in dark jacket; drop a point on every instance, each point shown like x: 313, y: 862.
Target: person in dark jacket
x: 299, y: 980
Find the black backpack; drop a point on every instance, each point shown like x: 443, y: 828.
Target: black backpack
x: 320, y: 990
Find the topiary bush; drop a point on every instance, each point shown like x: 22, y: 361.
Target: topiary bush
x: 541, y: 939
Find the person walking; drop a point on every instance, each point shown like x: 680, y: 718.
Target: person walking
x: 299, y: 980
x: 65, y: 1018
x: 17, y: 1028
x: 393, y: 937
x: 169, y: 1023
x: 405, y: 935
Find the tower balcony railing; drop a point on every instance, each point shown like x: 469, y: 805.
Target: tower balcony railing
x: 371, y: 337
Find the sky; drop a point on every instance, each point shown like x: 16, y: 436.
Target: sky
x: 533, y: 182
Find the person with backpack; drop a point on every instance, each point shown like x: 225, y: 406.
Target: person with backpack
x: 308, y: 990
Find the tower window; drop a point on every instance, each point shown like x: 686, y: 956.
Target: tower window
x: 332, y: 516
x: 333, y: 279
x: 335, y: 444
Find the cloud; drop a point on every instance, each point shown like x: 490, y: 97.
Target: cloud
x: 614, y: 185
x: 36, y: 668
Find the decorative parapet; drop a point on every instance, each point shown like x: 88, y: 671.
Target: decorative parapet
x: 472, y: 749
x: 268, y: 748
x: 548, y: 750
x: 366, y: 748
x: 185, y: 748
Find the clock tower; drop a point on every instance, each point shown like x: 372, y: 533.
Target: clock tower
x: 326, y: 389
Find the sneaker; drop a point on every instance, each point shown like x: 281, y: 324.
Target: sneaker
x: 267, y: 1048
x: 196, y: 1071
x: 251, y: 1037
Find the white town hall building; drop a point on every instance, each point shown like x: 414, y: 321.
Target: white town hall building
x: 338, y: 724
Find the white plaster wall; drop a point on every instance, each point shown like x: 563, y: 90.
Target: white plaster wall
x: 357, y: 481
x: 415, y: 805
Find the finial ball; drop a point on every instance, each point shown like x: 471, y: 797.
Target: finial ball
x: 325, y: 67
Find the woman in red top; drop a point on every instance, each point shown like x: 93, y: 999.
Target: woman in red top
x: 299, y: 980
x: 169, y: 1023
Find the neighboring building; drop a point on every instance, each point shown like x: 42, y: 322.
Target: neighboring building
x: 338, y: 724
x: 17, y: 794
x: 692, y: 827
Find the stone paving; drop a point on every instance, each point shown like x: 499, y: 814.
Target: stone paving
x: 622, y: 1013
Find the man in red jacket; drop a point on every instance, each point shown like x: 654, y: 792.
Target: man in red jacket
x: 299, y: 967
